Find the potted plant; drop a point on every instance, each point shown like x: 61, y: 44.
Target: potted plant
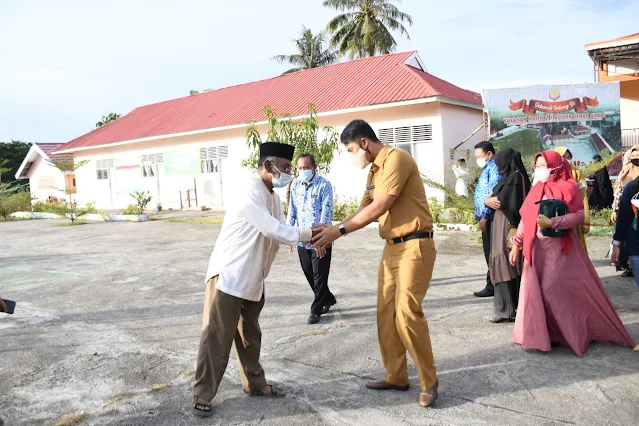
x: 159, y: 207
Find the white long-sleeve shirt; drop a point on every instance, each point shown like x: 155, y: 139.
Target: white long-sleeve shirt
x: 461, y: 185
x: 253, y: 229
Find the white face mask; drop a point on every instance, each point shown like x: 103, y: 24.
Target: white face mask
x: 281, y: 181
x: 359, y: 158
x: 541, y: 174
x: 481, y: 162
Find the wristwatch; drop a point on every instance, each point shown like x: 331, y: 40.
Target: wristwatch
x: 342, y: 230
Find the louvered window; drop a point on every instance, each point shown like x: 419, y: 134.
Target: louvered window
x: 151, y: 159
x: 210, y: 158
x: 408, y: 138
x: 102, y: 168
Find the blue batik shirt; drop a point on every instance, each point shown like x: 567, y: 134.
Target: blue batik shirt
x: 311, y: 203
x: 487, y: 181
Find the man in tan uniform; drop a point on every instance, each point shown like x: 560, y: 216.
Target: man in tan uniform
x: 395, y: 195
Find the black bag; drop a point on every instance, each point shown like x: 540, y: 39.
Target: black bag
x: 552, y: 208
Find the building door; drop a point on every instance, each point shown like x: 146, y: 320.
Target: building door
x: 151, y: 182
x: 213, y: 159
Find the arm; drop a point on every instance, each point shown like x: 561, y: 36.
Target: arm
x: 569, y: 220
x: 618, y: 194
x: 256, y: 213
x: 326, y: 216
x: 518, y: 240
x: 370, y: 213
x: 624, y: 217
x: 292, y: 208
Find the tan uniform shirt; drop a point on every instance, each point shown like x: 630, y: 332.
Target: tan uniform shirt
x: 395, y: 172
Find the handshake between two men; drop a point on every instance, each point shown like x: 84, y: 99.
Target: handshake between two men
x: 323, y: 236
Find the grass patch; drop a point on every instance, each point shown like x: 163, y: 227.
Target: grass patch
x: 315, y: 333
x: 206, y: 220
x: 600, y: 231
x: 74, y: 223
x: 189, y: 373
x: 73, y: 419
x: 160, y: 387
x: 119, y: 397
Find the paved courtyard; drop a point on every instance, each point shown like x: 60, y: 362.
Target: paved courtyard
x: 109, y: 315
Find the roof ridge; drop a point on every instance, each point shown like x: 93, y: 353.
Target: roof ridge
x: 210, y: 91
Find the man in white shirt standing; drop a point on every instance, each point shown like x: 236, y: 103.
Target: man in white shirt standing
x: 254, y: 227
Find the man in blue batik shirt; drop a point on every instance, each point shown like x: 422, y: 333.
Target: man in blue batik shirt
x: 311, y: 203
x: 485, y: 155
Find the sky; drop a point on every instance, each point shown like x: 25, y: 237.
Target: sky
x: 64, y: 64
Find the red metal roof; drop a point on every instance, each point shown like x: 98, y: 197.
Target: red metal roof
x: 367, y: 81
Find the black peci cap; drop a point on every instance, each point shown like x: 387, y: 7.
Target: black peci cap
x: 275, y: 149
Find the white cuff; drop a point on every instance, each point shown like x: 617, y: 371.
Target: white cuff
x: 616, y: 243
x: 306, y: 235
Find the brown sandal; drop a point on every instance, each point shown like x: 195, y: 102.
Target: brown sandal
x: 275, y: 393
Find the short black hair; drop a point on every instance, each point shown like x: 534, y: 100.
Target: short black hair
x: 485, y: 146
x: 310, y: 157
x: 597, y: 157
x: 463, y: 161
x: 356, y: 130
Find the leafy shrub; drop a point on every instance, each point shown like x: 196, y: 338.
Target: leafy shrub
x: 11, y: 202
x: 436, y: 208
x: 344, y: 209
x: 141, y: 201
x: 600, y: 217
x: 90, y: 207
x: 131, y: 209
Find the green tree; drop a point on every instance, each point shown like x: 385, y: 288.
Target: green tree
x: 301, y: 133
x: 107, y: 119
x: 311, y: 52
x: 12, y: 154
x: 13, y: 200
x: 195, y: 92
x: 364, y: 26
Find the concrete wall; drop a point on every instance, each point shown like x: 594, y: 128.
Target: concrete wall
x: 630, y: 104
x: 45, y: 181
x: 348, y: 181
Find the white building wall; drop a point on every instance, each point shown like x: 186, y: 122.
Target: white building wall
x: 46, y: 181
x: 348, y: 181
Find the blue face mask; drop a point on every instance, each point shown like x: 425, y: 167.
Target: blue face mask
x: 281, y: 181
x: 307, y: 175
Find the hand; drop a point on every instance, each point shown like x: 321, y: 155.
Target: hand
x: 544, y: 222
x: 493, y: 203
x: 320, y: 252
x: 514, y: 254
x: 290, y: 250
x: 482, y: 224
x: 614, y: 256
x: 586, y: 229
x: 613, y: 217
x: 325, y: 236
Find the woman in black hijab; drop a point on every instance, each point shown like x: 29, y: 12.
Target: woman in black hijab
x: 508, y: 197
x: 602, y: 194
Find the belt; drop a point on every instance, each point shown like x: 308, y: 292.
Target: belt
x: 411, y: 237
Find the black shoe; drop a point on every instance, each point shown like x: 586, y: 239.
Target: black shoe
x: 485, y: 293
x: 313, y: 319
x: 325, y: 309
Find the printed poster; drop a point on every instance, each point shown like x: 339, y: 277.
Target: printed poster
x: 585, y: 118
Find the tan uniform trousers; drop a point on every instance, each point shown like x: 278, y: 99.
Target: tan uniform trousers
x: 404, y: 276
x: 226, y: 319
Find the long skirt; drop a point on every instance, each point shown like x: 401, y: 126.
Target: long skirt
x: 504, y: 276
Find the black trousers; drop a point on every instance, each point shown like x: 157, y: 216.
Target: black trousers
x: 316, y: 271
x: 485, y: 237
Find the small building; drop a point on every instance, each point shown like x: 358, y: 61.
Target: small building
x: 189, y: 151
x: 618, y: 60
x: 579, y: 130
x: 46, y: 181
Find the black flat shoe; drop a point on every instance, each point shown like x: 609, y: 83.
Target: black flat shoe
x: 325, y: 309
x: 313, y: 319
x: 484, y: 293
x: 499, y: 320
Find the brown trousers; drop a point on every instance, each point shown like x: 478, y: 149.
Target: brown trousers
x: 226, y: 319
x: 404, y: 276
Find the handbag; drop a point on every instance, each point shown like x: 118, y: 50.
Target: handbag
x: 552, y: 208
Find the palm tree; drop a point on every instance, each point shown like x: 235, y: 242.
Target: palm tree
x: 364, y: 28
x: 107, y: 118
x: 310, y: 52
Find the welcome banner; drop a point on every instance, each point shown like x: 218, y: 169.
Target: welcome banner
x: 585, y: 118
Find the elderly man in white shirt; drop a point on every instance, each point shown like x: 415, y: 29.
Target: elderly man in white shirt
x: 254, y: 227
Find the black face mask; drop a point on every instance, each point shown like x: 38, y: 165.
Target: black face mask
x: 635, y: 162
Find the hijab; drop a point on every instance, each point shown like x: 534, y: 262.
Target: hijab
x: 514, y: 184
x: 560, y: 186
x: 577, y: 175
x: 602, y: 194
x: 628, y: 172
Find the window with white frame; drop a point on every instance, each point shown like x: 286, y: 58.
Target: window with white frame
x: 102, y: 168
x: 150, y: 163
x: 409, y: 138
x: 210, y: 157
